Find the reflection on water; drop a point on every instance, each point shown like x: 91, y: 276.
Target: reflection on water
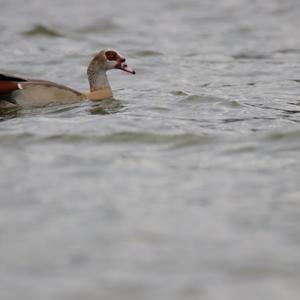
x: 104, y: 107
x: 107, y: 107
x: 9, y: 113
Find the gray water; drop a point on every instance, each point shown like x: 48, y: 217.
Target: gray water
x: 185, y: 185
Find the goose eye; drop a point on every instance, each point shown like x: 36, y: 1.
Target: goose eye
x: 111, y: 55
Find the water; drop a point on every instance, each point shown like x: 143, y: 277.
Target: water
x: 186, y: 184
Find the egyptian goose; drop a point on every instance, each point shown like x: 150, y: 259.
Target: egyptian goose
x: 30, y: 92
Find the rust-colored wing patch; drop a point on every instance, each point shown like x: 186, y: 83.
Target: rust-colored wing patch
x: 8, y: 87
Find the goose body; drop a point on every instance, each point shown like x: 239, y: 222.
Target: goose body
x: 24, y: 92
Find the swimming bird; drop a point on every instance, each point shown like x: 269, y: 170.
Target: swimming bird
x: 32, y: 92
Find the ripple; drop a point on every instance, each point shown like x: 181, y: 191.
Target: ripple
x: 289, y: 51
x: 174, y: 141
x: 279, y: 136
x: 103, y: 26
x: 296, y: 80
x: 11, y: 140
x: 250, y: 55
x: 41, y: 30
x: 242, y: 149
x: 179, y: 93
x: 200, y: 98
x: 209, y: 99
x: 145, y: 53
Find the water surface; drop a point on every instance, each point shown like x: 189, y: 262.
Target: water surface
x: 185, y: 185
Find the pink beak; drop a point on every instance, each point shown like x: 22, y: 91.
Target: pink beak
x: 122, y: 66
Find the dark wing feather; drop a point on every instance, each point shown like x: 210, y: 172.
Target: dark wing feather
x: 8, y: 77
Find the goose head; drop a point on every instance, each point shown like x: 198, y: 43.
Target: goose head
x: 114, y: 60
x: 105, y: 60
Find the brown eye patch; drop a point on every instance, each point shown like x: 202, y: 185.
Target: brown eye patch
x: 111, y: 55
